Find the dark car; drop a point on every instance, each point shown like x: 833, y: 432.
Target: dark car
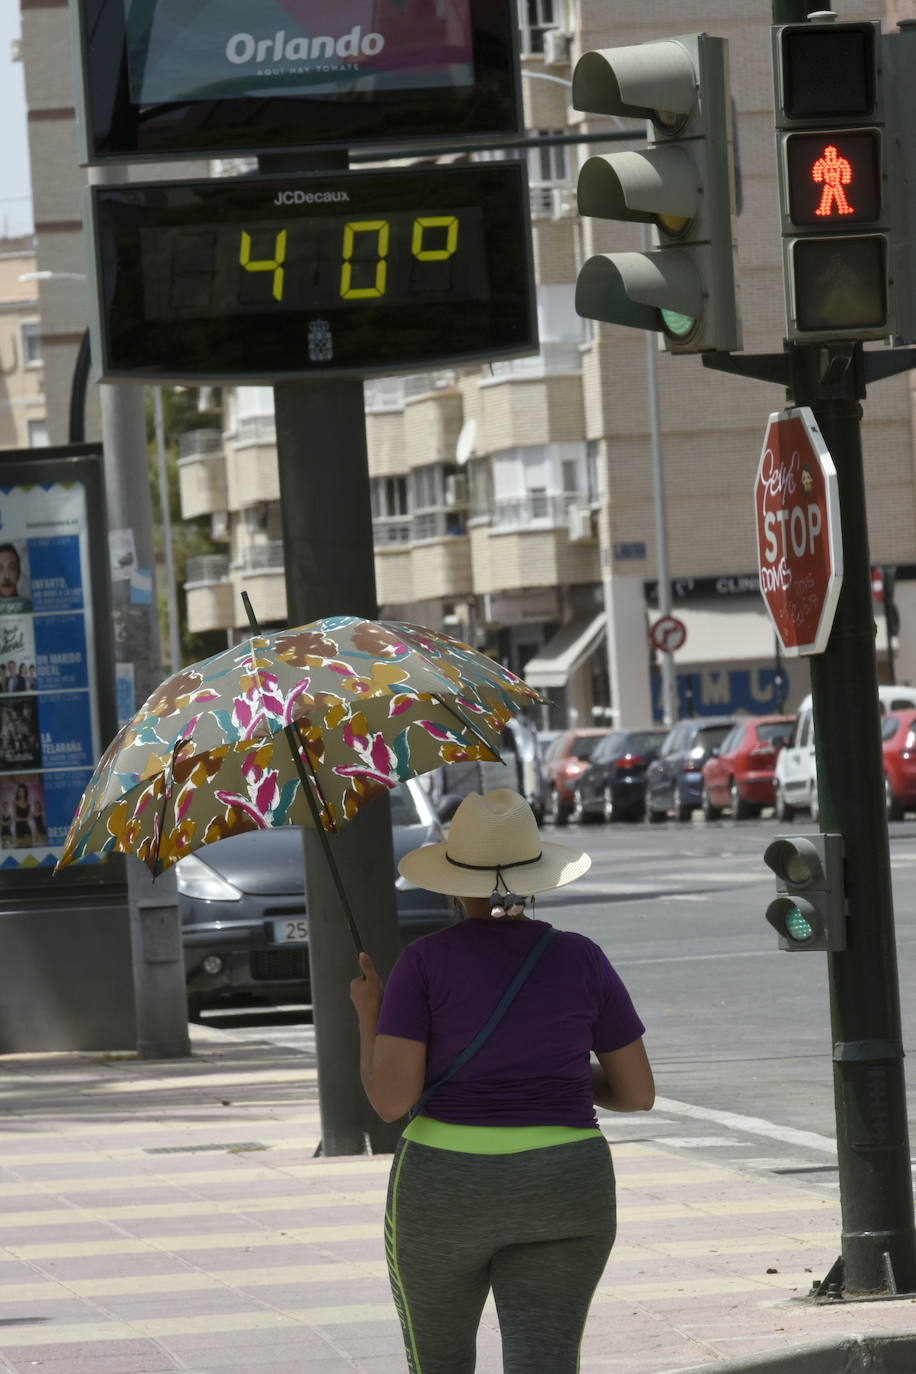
x: 674, y: 779
x: 740, y: 773
x: 567, y: 758
x: 615, y: 785
x: 242, y: 905
x: 898, y: 744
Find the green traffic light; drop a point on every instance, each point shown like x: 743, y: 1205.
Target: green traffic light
x: 678, y: 326
x: 797, y: 925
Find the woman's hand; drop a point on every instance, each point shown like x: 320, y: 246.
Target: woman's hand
x: 366, y: 991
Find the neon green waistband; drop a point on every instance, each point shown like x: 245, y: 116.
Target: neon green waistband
x: 492, y: 1140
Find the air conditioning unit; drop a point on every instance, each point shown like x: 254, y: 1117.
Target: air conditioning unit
x: 581, y: 526
x: 556, y: 48
x: 456, y: 489
x: 563, y: 203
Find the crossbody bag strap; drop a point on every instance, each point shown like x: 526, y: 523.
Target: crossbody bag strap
x: 487, y: 1030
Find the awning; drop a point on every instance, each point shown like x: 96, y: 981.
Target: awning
x: 724, y: 633
x: 555, y: 664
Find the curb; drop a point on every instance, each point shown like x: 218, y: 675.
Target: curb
x: 887, y: 1354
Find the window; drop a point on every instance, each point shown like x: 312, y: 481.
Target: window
x: 31, y: 344
x: 534, y: 17
x: 548, y: 164
x: 390, y: 505
x: 427, y: 487
x: 38, y: 434
x: 570, y: 470
x: 593, y: 471
x: 480, y: 488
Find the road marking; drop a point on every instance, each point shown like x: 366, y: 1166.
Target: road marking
x: 751, y: 1125
x: 694, y: 958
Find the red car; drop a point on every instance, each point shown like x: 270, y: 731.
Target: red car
x: 739, y: 775
x: 567, y: 758
x: 898, y: 742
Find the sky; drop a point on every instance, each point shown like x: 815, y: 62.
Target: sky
x: 15, y: 180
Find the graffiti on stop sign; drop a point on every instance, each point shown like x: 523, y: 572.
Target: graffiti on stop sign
x: 798, y: 541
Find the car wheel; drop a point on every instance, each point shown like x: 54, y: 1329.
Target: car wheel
x: 608, y: 809
x: 577, y: 814
x: 741, y: 810
x: 894, y: 809
x: 684, y: 811
x: 783, y: 811
x: 655, y: 817
x: 559, y: 811
x: 712, y: 813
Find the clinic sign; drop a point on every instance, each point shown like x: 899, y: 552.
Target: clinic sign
x: 799, y: 544
x: 55, y: 680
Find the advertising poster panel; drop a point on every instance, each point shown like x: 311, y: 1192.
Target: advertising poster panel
x: 55, y: 702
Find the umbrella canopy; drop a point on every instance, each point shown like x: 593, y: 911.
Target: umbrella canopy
x: 212, y: 752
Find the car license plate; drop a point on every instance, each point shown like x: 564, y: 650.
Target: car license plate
x: 288, y: 931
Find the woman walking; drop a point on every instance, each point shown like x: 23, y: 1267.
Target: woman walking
x: 502, y: 1179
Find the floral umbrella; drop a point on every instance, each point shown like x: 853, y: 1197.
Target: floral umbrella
x: 297, y: 727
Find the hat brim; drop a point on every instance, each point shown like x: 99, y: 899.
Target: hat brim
x: 429, y: 868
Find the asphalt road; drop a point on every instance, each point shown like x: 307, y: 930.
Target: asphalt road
x: 737, y: 1030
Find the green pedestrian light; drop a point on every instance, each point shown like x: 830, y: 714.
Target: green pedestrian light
x: 809, y: 911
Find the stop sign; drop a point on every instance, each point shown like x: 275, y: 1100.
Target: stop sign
x: 799, y: 544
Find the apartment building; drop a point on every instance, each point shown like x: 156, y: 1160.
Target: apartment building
x: 23, y: 418
x: 514, y: 504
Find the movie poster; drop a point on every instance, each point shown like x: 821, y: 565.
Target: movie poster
x: 49, y: 732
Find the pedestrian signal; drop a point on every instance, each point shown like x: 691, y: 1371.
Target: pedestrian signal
x: 843, y: 139
x: 809, y: 911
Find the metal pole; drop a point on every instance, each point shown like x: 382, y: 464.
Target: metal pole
x: 330, y: 570
x: 159, y: 977
x: 668, y: 695
x: 171, y: 601
x: 876, y: 1191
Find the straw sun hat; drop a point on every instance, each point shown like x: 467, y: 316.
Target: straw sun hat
x: 493, y: 836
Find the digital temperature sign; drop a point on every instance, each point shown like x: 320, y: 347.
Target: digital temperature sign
x: 269, y: 279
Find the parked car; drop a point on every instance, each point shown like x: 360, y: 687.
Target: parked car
x: 795, y: 780
x: 615, y: 785
x: 898, y: 743
x: 244, y: 925
x: 566, y: 760
x: 739, y: 774
x: 675, y: 777
x: 522, y: 769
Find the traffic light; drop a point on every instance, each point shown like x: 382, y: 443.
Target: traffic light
x: 809, y: 911
x: 843, y: 136
x: 682, y: 184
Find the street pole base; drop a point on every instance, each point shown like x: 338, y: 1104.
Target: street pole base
x: 164, y: 1049
x: 831, y: 1289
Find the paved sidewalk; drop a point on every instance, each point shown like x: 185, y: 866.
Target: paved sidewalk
x: 171, y: 1216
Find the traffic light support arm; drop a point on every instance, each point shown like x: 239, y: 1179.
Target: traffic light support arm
x: 784, y: 369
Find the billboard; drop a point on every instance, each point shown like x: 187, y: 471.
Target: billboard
x: 182, y: 78
x: 56, y: 660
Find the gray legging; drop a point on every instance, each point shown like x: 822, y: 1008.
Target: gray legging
x: 536, y: 1226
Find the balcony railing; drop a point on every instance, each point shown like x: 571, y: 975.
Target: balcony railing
x: 199, y: 443
x: 557, y: 356
x: 256, y: 429
x: 206, y: 568
x: 263, y: 557
x: 391, y: 393
x: 518, y: 512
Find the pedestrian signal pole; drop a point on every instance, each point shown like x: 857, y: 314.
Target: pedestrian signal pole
x: 843, y: 144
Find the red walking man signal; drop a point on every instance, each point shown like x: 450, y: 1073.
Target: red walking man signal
x: 835, y: 172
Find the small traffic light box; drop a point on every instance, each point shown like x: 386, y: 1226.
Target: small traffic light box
x: 842, y: 130
x: 682, y: 184
x: 809, y: 911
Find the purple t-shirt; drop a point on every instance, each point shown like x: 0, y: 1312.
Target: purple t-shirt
x: 535, y: 1069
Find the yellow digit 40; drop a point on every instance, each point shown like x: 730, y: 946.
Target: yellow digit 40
x: 382, y: 228
x: 274, y: 264
x: 449, y: 222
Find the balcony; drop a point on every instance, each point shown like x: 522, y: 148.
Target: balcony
x: 556, y: 357
x: 201, y: 473
x: 263, y: 558
x: 209, y: 593
x: 260, y: 571
x: 251, y: 463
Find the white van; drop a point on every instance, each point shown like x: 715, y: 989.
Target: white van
x: 795, y: 782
